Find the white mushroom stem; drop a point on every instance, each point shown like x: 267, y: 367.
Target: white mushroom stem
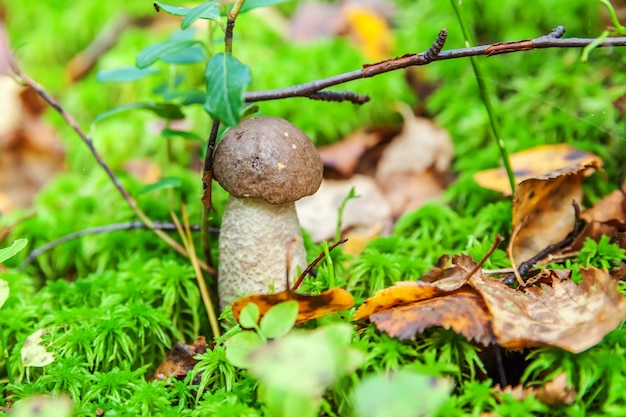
x: 253, y: 242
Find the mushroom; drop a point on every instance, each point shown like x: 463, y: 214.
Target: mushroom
x: 266, y: 164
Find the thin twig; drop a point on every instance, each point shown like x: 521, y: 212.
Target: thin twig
x: 547, y: 41
x: 496, y: 243
x: 97, y: 230
x: 120, y: 188
x: 308, y: 269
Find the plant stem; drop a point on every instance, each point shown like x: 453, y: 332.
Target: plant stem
x: 4, y: 354
x: 331, y: 267
x: 484, y: 94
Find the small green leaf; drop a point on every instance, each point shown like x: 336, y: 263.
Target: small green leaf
x: 165, y: 110
x: 124, y: 74
x: 226, y: 80
x: 249, y: 316
x: 305, y: 362
x: 4, y: 292
x: 253, y: 4
x: 401, y: 394
x: 173, y: 10
x: 279, y: 319
x: 156, y: 51
x: 185, y: 98
x: 9, y: 252
x: 191, y: 55
x: 239, y: 347
x: 33, y: 353
x: 159, y: 185
x: 206, y: 10
x: 170, y: 133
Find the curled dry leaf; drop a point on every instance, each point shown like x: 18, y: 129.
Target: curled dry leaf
x: 309, y: 306
x: 410, y: 307
x: 554, y: 393
x: 549, y: 179
x: 569, y: 316
x: 561, y: 313
x: 180, y: 360
x: 606, y: 217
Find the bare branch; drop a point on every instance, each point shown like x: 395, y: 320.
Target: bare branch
x: 552, y: 40
x: 101, y: 229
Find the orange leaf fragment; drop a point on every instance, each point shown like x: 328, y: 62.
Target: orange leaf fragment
x: 565, y: 315
x: 309, y: 306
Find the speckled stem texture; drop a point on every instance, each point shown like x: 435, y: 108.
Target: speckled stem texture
x: 253, y: 245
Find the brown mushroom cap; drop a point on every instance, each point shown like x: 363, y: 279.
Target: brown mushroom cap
x: 267, y: 158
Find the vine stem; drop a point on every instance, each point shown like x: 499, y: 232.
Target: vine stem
x: 41, y: 91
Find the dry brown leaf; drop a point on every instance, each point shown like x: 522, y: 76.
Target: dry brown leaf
x: 407, y: 292
x: 463, y: 311
x: 344, y: 156
x: 309, y: 306
x: 565, y: 315
x: 370, y: 211
x: 533, y: 163
x: 606, y: 217
x: 554, y: 393
x: 180, y: 360
x: 410, y: 307
x: 413, y: 168
x: 420, y: 145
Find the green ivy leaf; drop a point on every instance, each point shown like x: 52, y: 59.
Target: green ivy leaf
x: 249, y: 316
x: 173, y: 10
x: 124, y: 74
x: 279, y: 319
x: 191, y: 55
x: 226, y: 80
x: 159, y: 185
x: 165, y: 110
x: 401, y: 394
x: 156, y: 51
x: 206, y: 10
x: 306, y: 363
x: 12, y: 250
x: 171, y: 133
x: 239, y: 347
